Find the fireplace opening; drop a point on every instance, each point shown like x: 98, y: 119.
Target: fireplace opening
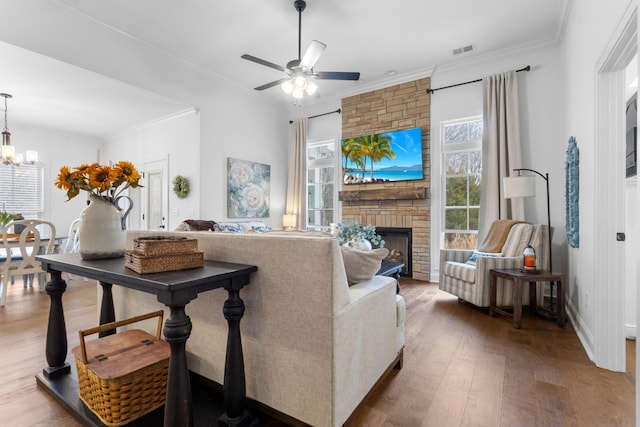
x: 398, y: 241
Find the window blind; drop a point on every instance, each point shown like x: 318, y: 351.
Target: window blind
x: 21, y: 189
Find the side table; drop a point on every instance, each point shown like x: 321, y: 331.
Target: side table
x: 519, y: 278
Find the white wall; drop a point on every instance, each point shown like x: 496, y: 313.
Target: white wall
x: 242, y: 126
x: 589, y: 30
x: 543, y: 144
x: 631, y: 248
x: 234, y: 121
x: 54, y: 151
x: 197, y: 145
x: 177, y: 139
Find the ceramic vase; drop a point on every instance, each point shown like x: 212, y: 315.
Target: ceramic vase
x: 361, y: 244
x: 103, y: 232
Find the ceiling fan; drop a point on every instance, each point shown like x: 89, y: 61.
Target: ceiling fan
x: 299, y: 72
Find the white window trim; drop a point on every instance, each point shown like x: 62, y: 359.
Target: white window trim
x: 337, y: 176
x: 455, y: 147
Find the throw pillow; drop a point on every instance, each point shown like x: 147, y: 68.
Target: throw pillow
x: 229, y: 227
x: 474, y: 256
x: 362, y: 265
x: 199, y: 225
x: 261, y: 228
x: 248, y: 226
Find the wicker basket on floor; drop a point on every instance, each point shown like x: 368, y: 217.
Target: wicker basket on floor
x: 125, y: 375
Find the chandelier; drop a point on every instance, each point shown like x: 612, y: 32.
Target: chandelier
x: 9, y: 155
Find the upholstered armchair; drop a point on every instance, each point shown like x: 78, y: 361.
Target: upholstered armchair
x: 469, y: 280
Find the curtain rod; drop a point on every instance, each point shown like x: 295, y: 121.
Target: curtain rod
x: 527, y: 68
x: 320, y: 115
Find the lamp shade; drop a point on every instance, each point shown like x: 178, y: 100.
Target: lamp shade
x: 518, y: 186
x: 288, y: 221
x: 32, y: 156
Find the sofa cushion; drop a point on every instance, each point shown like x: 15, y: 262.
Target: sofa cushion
x: 362, y: 265
x: 460, y: 270
x: 401, y: 310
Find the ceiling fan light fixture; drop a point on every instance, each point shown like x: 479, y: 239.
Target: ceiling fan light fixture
x: 300, y: 81
x: 287, y: 87
x: 298, y: 93
x: 299, y: 71
x: 311, y: 88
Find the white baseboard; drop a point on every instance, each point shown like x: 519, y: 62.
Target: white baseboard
x: 630, y: 331
x: 584, y: 335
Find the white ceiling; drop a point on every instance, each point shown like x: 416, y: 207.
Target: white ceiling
x: 411, y: 37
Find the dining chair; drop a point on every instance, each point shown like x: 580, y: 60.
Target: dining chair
x: 73, y: 242
x: 18, y: 251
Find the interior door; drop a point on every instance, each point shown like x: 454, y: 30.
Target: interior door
x: 156, y: 195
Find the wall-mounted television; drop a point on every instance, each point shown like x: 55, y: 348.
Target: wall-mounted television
x: 382, y: 157
x: 632, y: 136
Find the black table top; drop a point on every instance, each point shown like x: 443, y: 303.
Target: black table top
x: 212, y: 275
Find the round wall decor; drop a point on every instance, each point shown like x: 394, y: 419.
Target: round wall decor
x: 181, y: 186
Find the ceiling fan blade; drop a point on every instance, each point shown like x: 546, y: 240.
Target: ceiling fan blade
x: 336, y: 75
x: 263, y: 62
x: 312, y: 54
x: 272, y: 84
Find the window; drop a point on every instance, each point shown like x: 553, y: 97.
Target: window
x: 21, y: 189
x: 462, y: 167
x: 321, y: 172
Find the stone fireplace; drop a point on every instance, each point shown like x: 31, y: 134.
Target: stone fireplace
x: 400, y: 204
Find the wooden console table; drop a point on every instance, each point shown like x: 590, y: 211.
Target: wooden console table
x: 175, y: 289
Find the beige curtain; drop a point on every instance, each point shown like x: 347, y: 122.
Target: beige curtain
x: 296, y: 202
x: 500, y: 149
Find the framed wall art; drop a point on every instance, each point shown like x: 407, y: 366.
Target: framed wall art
x: 247, y: 189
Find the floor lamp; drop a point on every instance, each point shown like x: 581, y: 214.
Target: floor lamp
x: 525, y: 186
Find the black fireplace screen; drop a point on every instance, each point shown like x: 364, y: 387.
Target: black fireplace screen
x: 398, y: 241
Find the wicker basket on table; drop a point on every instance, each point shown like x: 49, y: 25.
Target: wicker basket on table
x: 123, y: 376
x: 156, y: 254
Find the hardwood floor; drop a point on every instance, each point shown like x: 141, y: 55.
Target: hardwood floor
x: 461, y: 367
x: 464, y: 368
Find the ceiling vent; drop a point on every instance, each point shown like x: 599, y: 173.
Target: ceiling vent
x: 463, y: 49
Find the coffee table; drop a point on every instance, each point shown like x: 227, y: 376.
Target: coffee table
x: 391, y: 269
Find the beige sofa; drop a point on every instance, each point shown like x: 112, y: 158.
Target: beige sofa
x: 313, y: 346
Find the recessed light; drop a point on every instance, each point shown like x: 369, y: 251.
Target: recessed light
x: 391, y: 73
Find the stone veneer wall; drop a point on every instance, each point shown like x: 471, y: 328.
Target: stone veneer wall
x: 403, y: 106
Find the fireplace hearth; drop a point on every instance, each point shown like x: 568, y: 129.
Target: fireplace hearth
x: 398, y: 241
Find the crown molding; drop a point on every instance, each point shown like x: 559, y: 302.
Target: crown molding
x: 491, y: 56
x: 151, y: 123
x: 69, y: 5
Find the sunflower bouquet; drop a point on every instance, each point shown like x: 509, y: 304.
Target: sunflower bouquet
x: 106, y: 182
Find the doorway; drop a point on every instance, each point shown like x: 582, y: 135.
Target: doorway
x: 155, y: 195
x: 609, y: 320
